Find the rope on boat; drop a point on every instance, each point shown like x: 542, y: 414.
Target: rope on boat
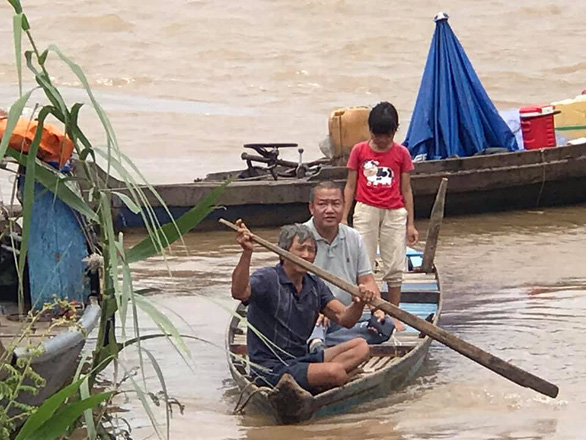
x: 240, y: 406
x: 394, y: 340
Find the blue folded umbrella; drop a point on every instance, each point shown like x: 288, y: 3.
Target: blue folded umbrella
x: 453, y: 114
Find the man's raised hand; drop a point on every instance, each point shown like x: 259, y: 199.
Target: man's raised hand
x: 244, y: 237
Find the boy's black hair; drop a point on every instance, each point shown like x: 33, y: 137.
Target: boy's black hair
x: 383, y: 119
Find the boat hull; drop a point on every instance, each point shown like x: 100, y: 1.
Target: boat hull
x: 391, y: 366
x: 60, y: 355
x: 500, y: 182
x: 56, y: 359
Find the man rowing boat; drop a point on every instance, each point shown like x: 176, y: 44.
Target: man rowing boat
x: 284, y: 302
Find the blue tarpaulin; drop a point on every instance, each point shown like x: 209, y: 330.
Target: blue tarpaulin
x: 453, y: 114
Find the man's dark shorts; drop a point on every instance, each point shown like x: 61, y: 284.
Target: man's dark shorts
x: 296, y: 367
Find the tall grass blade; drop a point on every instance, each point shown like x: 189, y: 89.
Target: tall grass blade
x: 17, y: 31
x: 106, y: 346
x: 84, y: 393
x: 44, y: 81
x: 166, y: 310
x: 13, y: 116
x: 147, y: 214
x: 126, y: 296
x: 161, y: 378
x: 171, y: 232
x: 134, y: 208
x: 16, y: 5
x: 56, y: 183
x: 165, y: 325
x: 47, y: 410
x: 129, y: 297
x: 145, y: 404
x: 59, y: 423
x: 97, y: 107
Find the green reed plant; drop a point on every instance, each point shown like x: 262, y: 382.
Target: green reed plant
x: 118, y: 295
x: 19, y: 377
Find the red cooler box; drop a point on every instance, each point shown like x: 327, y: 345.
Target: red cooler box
x: 537, y: 127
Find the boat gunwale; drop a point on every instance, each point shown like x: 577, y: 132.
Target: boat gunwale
x: 65, y: 340
x: 424, y: 180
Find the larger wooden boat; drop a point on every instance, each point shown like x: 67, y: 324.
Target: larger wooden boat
x: 391, y: 365
x: 266, y: 197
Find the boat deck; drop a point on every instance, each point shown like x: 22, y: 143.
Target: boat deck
x: 22, y: 332
x: 12, y: 328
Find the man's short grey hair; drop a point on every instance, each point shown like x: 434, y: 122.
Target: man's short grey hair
x: 289, y: 232
x: 326, y: 184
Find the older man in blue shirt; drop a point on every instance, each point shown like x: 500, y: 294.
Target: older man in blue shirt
x: 284, y: 302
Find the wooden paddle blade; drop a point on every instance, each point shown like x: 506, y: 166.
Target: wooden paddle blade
x: 494, y: 363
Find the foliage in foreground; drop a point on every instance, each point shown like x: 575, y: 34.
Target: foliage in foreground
x: 58, y: 415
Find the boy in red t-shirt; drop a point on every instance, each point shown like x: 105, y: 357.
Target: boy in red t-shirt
x: 379, y: 180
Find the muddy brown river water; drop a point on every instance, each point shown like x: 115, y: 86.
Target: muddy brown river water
x: 187, y: 82
x: 514, y: 284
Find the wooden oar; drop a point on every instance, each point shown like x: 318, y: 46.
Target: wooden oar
x: 496, y: 364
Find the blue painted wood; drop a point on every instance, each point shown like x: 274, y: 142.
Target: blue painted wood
x: 413, y: 252
x: 421, y: 310
x: 415, y: 257
x: 416, y: 260
x: 57, y: 246
x: 419, y: 287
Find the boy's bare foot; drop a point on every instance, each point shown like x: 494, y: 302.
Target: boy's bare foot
x: 399, y: 326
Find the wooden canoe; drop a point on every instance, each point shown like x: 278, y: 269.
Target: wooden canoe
x: 498, y: 182
x: 391, y: 365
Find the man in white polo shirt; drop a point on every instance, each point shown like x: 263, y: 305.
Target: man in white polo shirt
x: 340, y: 251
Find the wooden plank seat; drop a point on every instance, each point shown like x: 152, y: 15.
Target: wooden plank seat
x: 377, y: 363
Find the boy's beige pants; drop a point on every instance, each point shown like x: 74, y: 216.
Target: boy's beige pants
x: 389, y: 228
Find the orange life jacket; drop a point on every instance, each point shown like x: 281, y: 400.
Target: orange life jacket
x: 54, y: 147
